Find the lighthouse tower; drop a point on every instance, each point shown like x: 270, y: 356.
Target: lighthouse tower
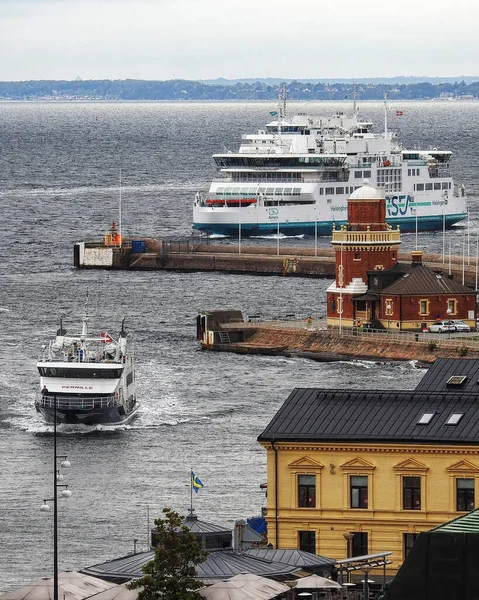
x: 367, y: 243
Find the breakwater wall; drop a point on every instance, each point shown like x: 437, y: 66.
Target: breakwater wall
x: 189, y: 255
x: 326, y: 344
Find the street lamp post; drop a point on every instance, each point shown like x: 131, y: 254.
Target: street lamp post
x: 449, y: 312
x: 349, y: 549
x: 388, y: 308
x: 366, y: 570
x: 66, y: 493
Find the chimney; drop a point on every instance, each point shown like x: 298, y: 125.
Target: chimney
x: 416, y: 258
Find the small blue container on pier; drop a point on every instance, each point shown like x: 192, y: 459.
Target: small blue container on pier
x: 138, y: 246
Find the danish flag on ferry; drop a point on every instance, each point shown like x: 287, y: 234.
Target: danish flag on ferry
x: 399, y: 113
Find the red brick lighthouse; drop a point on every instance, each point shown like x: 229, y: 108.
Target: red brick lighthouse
x: 367, y: 243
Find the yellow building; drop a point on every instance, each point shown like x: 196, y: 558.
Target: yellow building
x: 382, y: 465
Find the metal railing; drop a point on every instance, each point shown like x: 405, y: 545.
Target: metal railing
x: 77, y: 402
x: 452, y: 339
x: 356, y: 237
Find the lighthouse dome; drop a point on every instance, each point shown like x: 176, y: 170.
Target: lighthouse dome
x: 366, y: 192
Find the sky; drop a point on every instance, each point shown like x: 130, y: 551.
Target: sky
x: 206, y: 39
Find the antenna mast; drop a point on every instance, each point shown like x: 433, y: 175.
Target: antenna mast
x: 355, y: 106
x: 281, y: 107
x: 385, y: 115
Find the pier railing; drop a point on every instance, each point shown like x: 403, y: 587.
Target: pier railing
x: 453, y: 339
x: 318, y: 324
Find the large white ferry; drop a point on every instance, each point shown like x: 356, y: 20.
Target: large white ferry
x: 87, y: 379
x: 294, y: 177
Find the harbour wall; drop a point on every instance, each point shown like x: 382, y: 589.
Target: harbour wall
x: 296, y: 339
x: 190, y: 255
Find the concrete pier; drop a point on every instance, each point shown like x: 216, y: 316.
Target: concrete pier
x: 219, y: 332
x: 192, y: 254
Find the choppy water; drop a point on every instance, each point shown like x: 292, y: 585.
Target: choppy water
x: 59, y: 173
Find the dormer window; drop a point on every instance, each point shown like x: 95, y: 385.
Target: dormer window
x: 426, y: 418
x: 456, y: 380
x: 454, y: 418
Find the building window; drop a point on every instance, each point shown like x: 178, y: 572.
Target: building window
x: 451, y: 307
x: 307, y: 491
x: 359, y: 492
x: 464, y: 495
x: 423, y: 307
x: 411, y: 487
x: 307, y: 541
x: 409, y: 539
x: 360, y: 543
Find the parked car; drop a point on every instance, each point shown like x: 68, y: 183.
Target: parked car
x: 442, y: 327
x: 460, y: 325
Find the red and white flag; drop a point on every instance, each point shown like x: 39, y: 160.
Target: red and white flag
x: 399, y: 113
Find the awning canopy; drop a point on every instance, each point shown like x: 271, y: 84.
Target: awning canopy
x: 357, y: 563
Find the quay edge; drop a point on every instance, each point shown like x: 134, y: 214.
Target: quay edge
x: 228, y: 331
x: 193, y: 255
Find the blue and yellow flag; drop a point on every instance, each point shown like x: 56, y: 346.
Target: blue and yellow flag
x: 196, y: 482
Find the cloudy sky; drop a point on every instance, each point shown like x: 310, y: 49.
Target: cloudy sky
x: 205, y: 39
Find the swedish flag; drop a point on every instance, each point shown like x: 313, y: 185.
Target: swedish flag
x: 196, y: 482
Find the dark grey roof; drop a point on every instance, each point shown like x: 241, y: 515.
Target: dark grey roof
x: 422, y: 280
x: 436, y: 378
x: 297, y: 558
x: 311, y: 414
x: 195, y: 525
x: 220, y: 564
x: 120, y: 569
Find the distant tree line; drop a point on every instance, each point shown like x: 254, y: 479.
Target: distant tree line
x: 179, y: 89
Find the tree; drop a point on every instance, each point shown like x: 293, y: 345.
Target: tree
x: 171, y: 573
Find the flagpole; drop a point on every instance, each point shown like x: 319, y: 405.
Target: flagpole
x: 449, y: 256
x: 443, y: 237
x: 191, y: 491
x: 477, y: 255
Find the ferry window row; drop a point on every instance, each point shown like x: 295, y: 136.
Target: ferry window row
x: 274, y: 161
x: 410, y: 492
x: 254, y: 192
x: 389, y: 175
x: 329, y: 191
x: 362, y: 174
x: 267, y: 176
x: 414, y: 172
x: 71, y: 373
x: 420, y: 187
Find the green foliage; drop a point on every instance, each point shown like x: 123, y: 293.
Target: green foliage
x: 463, y: 350
x: 181, y: 89
x: 171, y: 573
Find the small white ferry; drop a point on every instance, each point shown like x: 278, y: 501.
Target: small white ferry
x: 294, y: 177
x: 87, y: 379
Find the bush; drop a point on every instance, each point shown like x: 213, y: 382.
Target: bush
x: 431, y: 346
x: 463, y: 350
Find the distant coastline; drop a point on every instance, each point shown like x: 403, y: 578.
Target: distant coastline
x: 232, y: 90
